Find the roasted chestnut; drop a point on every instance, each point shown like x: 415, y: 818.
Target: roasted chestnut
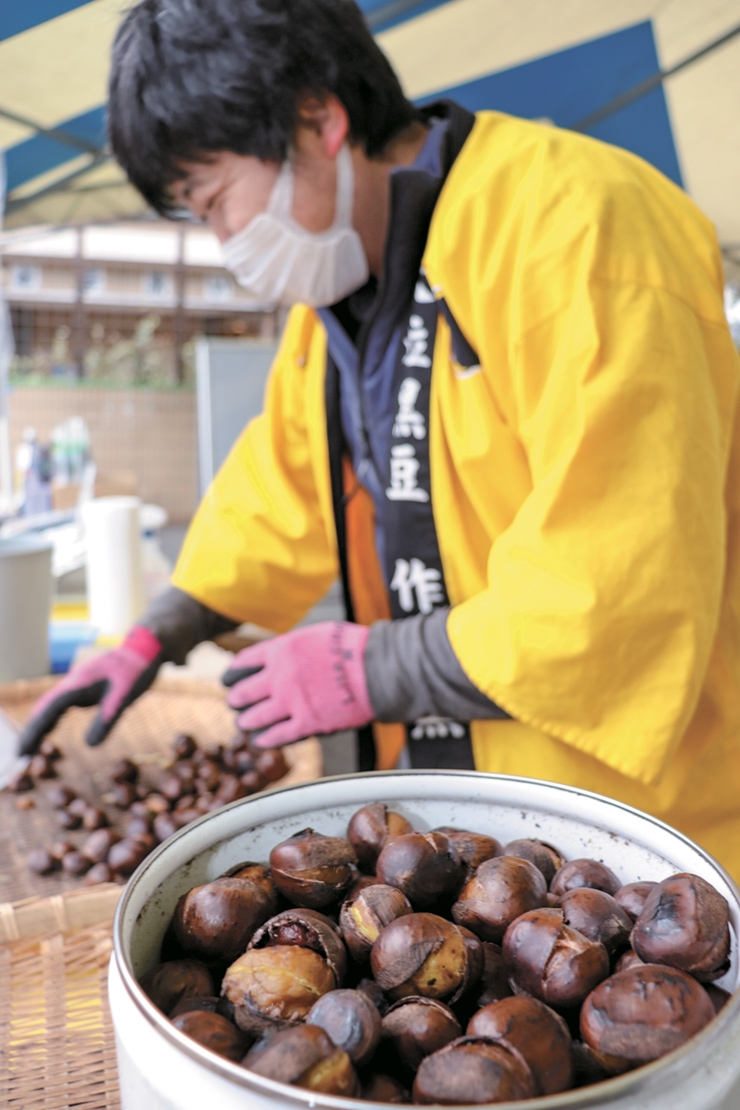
x: 424, y: 866
x: 20, y: 782
x: 305, y: 1057
x: 362, y: 917
x: 94, y: 818
x: 546, y: 859
x: 42, y: 862
x: 126, y: 855
x: 42, y: 768
x: 214, y: 1032
x: 124, y: 794
x: 551, y: 961
x: 184, y: 746
x: 74, y: 863
x: 379, y: 1087
x: 68, y: 821
x: 472, y: 1070
x: 501, y: 890
x: 312, y: 870
x: 271, y: 764
x: 631, y: 897
x: 598, y: 916
x: 98, y: 845
x: 169, y: 983
x: 98, y: 873
x: 584, y: 872
x: 534, y: 1030
x: 640, y: 1014
x: 60, y: 796
x: 48, y: 748
x: 473, y: 848
x: 217, y: 920
x: 375, y: 993
x: 494, y: 980
x: 277, y: 986
x: 420, y: 953
x: 628, y: 959
x: 414, y: 1028
x: 306, y: 929
x: 684, y: 923
x: 370, y: 829
x: 351, y: 1020
x: 256, y: 873
x: 124, y: 770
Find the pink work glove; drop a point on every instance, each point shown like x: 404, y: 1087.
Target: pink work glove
x: 114, y: 680
x: 307, y: 681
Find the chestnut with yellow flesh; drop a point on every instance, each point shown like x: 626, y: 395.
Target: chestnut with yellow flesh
x: 420, y: 953
x: 362, y: 918
x: 334, y: 1075
x: 551, y: 961
x: 279, y: 984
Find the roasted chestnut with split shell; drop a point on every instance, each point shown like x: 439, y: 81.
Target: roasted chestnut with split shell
x: 370, y: 829
x: 351, y: 1020
x: 313, y: 870
x: 546, y: 859
x: 170, y: 983
x: 598, y: 916
x: 305, y: 929
x: 363, y: 916
x: 305, y: 1057
x: 641, y: 1014
x: 501, y: 890
x: 684, y: 923
x: 551, y: 961
x: 584, y: 872
x: 277, y: 986
x: 420, y: 953
x: 416, y: 1027
x: 216, y: 921
x: 424, y: 866
x: 472, y: 1070
x: 473, y: 848
x: 213, y: 1031
x: 534, y: 1030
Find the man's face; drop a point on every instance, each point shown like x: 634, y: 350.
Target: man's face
x: 229, y: 190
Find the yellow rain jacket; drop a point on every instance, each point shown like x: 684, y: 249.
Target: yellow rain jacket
x: 584, y: 482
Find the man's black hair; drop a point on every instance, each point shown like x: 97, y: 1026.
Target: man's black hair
x: 191, y: 77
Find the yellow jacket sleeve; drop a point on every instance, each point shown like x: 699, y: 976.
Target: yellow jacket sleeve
x: 603, y: 595
x: 260, y: 547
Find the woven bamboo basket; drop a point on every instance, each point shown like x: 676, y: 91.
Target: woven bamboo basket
x: 57, y: 1047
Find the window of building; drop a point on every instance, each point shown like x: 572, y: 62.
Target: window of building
x: 157, y: 283
x: 218, y: 287
x: 25, y: 278
x: 93, y: 280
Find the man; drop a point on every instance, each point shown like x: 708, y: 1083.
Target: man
x: 504, y: 409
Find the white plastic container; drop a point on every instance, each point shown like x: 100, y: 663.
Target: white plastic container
x: 162, y: 1069
x: 115, y: 577
x: 25, y: 607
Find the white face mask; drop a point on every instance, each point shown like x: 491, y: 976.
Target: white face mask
x: 279, y: 262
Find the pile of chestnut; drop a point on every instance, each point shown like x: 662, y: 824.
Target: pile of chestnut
x: 195, y: 781
x: 439, y: 967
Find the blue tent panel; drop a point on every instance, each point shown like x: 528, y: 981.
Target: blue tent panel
x: 569, y: 85
x: 38, y: 154
x: 17, y: 16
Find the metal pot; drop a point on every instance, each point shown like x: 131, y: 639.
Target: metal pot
x: 162, y: 1069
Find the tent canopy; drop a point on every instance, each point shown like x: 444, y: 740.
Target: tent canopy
x: 562, y: 61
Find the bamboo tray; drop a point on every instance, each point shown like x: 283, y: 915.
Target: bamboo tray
x: 143, y: 734
x: 57, y: 1048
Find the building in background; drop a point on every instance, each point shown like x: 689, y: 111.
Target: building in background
x: 119, y: 302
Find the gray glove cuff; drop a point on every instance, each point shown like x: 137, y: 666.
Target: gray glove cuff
x: 180, y: 622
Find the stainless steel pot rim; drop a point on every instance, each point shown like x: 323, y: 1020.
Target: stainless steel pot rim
x: 693, y: 1052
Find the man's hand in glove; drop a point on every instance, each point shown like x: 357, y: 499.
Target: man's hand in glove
x: 114, y: 680
x: 307, y: 681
